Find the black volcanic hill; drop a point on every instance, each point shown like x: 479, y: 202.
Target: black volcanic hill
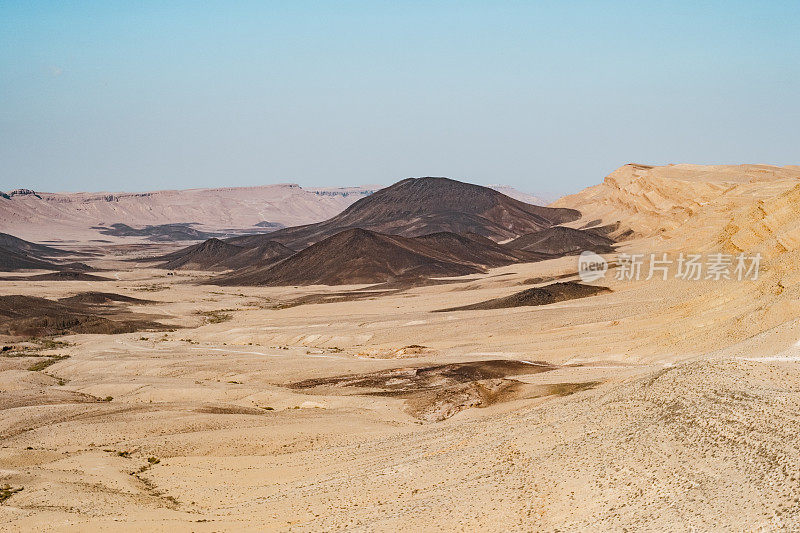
x: 263, y: 255
x: 19, y: 254
x: 30, y: 316
x: 204, y: 256
x: 357, y: 256
x: 11, y: 260
x: 214, y: 254
x: 560, y: 240
x: 420, y: 206
x: 63, y: 275
x: 36, y: 250
x: 477, y: 249
x: 553, y: 293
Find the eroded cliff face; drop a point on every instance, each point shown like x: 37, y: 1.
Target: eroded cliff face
x: 770, y: 227
x: 649, y: 201
x: 692, y: 209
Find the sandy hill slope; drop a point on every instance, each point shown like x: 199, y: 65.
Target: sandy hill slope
x: 770, y: 227
x: 652, y: 200
x: 34, y: 215
x: 690, y: 209
x: 214, y: 254
x: 561, y: 240
x: 419, y: 206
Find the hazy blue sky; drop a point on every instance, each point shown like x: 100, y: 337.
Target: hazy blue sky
x: 546, y: 96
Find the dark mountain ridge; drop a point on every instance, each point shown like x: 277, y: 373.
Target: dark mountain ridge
x: 19, y: 254
x: 357, y: 256
x: 561, y: 240
x: 421, y: 206
x: 214, y: 254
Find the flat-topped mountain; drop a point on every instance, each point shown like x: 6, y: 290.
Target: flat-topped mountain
x: 420, y: 206
x: 134, y: 216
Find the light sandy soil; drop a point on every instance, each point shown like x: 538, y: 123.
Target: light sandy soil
x: 670, y: 405
x: 688, y: 421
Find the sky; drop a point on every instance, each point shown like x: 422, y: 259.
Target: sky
x: 548, y: 97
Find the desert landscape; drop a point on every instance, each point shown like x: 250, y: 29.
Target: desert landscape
x: 429, y: 358
x: 359, y: 266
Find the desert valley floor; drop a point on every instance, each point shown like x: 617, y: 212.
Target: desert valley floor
x: 645, y: 405
x: 205, y: 427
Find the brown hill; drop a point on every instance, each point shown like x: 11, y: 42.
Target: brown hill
x: 19, y: 254
x: 214, y: 254
x: 420, y: 206
x: 477, y: 249
x: 63, y: 275
x: 555, y: 292
x: 30, y: 316
x: 101, y: 298
x: 11, y: 242
x: 561, y: 240
x: 357, y: 256
x: 11, y: 260
x: 204, y: 256
x: 264, y: 255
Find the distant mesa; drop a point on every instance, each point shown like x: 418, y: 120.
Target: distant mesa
x: 158, y: 215
x: 345, y: 192
x: 24, y: 192
x: 269, y: 225
x: 180, y: 231
x: 519, y: 195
